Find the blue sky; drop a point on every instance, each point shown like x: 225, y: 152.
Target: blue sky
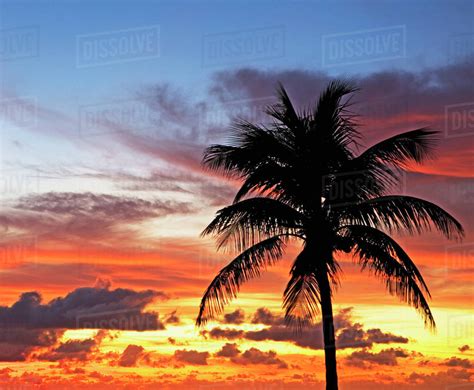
x: 183, y: 24
x: 53, y: 79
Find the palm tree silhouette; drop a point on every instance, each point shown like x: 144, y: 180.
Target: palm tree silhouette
x: 302, y: 180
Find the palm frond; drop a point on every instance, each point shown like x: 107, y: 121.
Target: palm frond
x: 388, y: 245
x: 402, y: 213
x: 249, y: 264
x: 249, y: 146
x: 331, y: 117
x: 302, y: 297
x: 379, y: 169
x: 367, y: 178
x: 352, y: 186
x: 272, y: 179
x: 401, y: 149
x: 285, y: 113
x: 249, y: 221
x: 398, y: 280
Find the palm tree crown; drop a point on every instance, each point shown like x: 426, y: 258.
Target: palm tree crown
x: 303, y: 180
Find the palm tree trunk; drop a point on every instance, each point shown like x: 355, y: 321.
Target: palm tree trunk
x: 328, y: 332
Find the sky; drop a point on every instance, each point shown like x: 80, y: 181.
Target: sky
x: 105, y: 110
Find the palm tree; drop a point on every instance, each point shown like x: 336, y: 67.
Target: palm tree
x: 303, y: 181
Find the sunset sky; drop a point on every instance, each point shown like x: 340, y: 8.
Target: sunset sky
x: 105, y: 110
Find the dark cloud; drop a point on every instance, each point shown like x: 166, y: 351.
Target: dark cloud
x: 386, y: 357
x: 425, y: 91
x: 100, y: 205
x: 73, y: 218
x: 441, y: 379
x: 348, y: 333
x: 120, y: 209
x: 222, y: 333
x: 457, y: 362
x: 71, y: 349
x: 236, y: 317
x: 17, y: 343
x: 311, y: 337
x: 464, y: 348
x: 355, y: 336
x: 172, y: 318
x: 20, y: 344
x: 266, y: 317
x: 80, y: 350
x: 191, y: 356
x: 228, y: 350
x: 86, y: 307
x: 132, y: 355
x: 256, y: 356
